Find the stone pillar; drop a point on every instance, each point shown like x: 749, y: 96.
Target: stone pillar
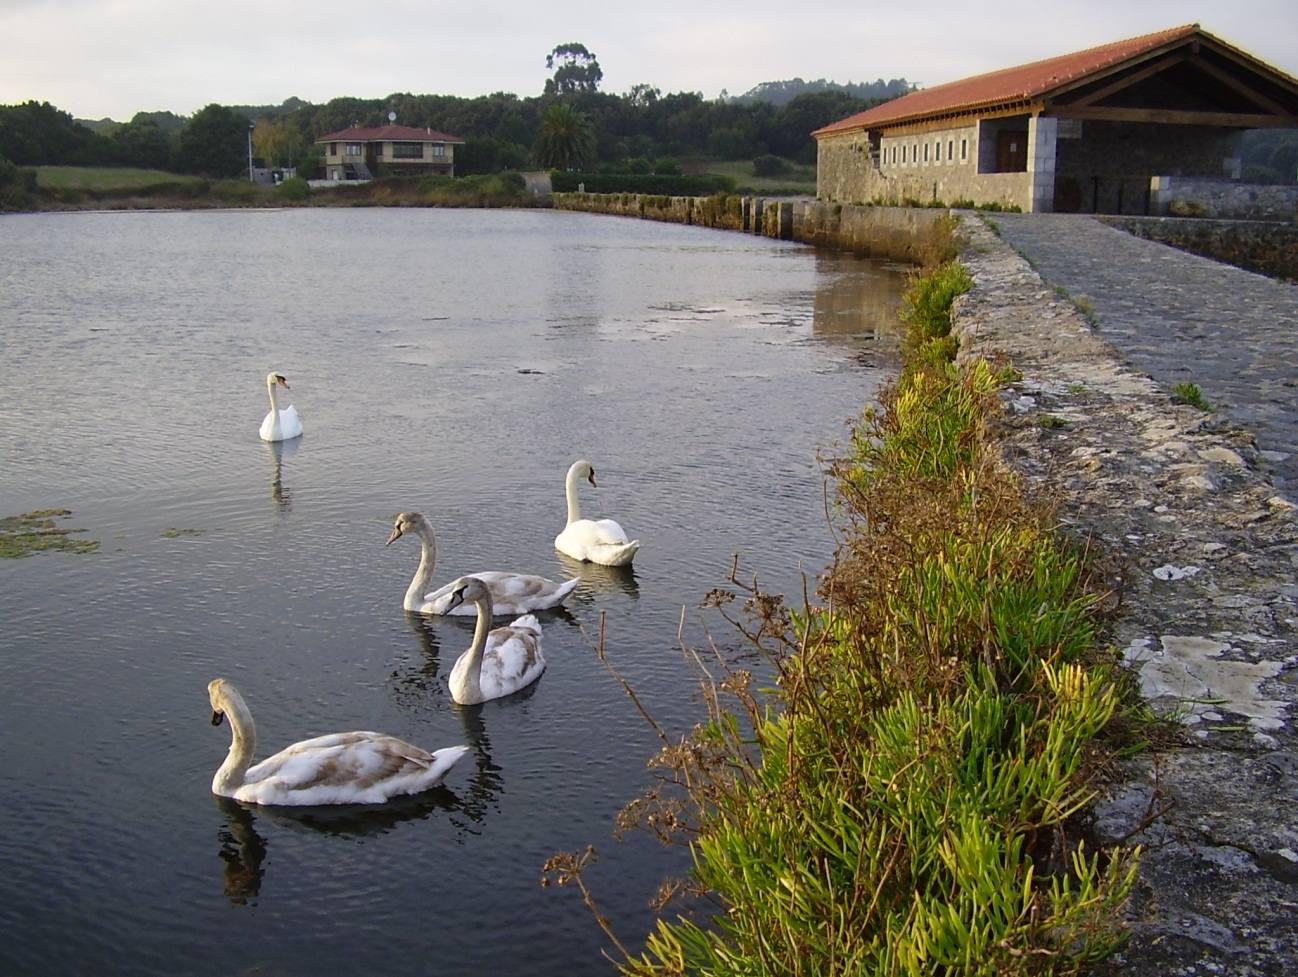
x: 1042, y: 132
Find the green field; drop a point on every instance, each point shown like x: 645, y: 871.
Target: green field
x: 98, y: 178
x: 799, y: 178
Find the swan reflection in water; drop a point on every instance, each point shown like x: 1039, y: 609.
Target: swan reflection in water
x: 243, y: 849
x: 597, y: 579
x: 280, y: 450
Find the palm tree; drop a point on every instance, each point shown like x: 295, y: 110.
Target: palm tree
x: 567, y: 139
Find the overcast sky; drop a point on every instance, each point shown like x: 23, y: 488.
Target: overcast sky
x: 97, y: 58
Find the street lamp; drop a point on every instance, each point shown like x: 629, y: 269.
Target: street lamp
x: 251, y: 126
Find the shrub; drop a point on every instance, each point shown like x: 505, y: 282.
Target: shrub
x: 666, y: 166
x: 17, y: 186
x: 768, y: 165
x: 294, y: 188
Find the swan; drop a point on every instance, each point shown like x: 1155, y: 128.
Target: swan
x: 498, y: 663
x: 592, y: 540
x: 340, y: 768
x: 279, y: 425
x: 511, y: 593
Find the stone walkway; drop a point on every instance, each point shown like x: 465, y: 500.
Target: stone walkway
x: 1203, y: 556
x: 1179, y: 317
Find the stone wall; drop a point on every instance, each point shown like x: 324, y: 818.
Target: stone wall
x: 847, y: 172
x: 1188, y: 196
x: 1105, y: 167
x: 895, y: 233
x: 1267, y: 248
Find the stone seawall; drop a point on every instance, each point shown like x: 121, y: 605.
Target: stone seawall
x: 894, y: 233
x: 1261, y: 246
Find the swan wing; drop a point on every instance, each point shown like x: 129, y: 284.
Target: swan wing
x: 512, y: 659
x: 359, y: 767
x: 289, y: 423
x: 599, y: 541
x: 511, y: 593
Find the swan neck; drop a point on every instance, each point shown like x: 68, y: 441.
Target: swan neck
x: 472, y: 674
x: 274, y: 405
x: 574, y: 506
x: 243, y: 743
x: 422, y: 580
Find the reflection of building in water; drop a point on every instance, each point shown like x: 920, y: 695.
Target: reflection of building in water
x: 856, y: 297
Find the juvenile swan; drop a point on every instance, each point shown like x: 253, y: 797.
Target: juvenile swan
x: 340, y: 768
x: 279, y: 425
x: 591, y: 540
x: 511, y: 593
x: 498, y: 663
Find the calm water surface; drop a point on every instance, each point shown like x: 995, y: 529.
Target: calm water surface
x: 451, y: 362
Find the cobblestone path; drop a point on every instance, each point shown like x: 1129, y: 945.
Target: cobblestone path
x: 1179, y: 317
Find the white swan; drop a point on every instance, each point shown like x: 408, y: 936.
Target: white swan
x: 592, y: 540
x: 511, y: 593
x: 340, y: 768
x: 279, y: 425
x: 497, y: 663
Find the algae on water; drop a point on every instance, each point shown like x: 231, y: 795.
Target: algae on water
x: 173, y: 533
x: 37, y: 532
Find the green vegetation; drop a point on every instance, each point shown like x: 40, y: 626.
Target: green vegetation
x: 105, y: 179
x: 174, y: 533
x: 38, y: 532
x: 1189, y: 393
x: 653, y: 183
x: 900, y: 801
x: 567, y: 139
x: 791, y: 180
x: 17, y: 186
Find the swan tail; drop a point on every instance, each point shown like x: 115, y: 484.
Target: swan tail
x: 565, y: 588
x: 614, y: 554
x: 527, y: 622
x: 443, y: 760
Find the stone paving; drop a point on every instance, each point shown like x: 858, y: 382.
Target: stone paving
x: 1202, y: 548
x: 1179, y: 317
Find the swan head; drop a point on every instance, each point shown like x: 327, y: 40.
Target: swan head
x: 582, y: 469
x: 220, y: 694
x: 468, y: 589
x: 407, y: 522
x: 274, y: 379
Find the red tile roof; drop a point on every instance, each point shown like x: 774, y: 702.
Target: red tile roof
x: 1021, y: 83
x: 388, y: 134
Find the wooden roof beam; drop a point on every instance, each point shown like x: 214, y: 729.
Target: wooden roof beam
x: 1132, y: 79
x: 1234, y: 120
x: 1233, y: 83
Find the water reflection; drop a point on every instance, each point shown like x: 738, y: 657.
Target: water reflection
x: 597, y: 579
x: 242, y: 852
x: 279, y: 450
x: 855, y: 298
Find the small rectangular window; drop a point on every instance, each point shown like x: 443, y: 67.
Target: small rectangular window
x: 950, y: 150
x: 964, y: 149
x: 925, y: 152
x: 903, y: 154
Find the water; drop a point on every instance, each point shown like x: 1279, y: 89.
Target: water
x: 451, y: 362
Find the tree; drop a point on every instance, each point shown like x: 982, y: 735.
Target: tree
x: 567, y: 140
x: 141, y: 142
x: 642, y: 96
x: 575, y: 70
x: 214, y: 143
x: 278, y: 142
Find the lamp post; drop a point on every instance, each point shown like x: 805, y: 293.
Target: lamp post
x: 251, y: 126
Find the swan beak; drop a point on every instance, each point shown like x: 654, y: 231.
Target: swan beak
x: 282, y: 382
x: 591, y: 478
x: 217, y: 717
x: 456, y: 600
x: 396, y: 535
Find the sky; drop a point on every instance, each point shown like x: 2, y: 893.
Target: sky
x: 113, y: 58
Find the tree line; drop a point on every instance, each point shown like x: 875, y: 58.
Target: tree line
x: 502, y: 131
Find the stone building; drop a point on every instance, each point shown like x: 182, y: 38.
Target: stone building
x: 1086, y: 132
x: 361, y: 153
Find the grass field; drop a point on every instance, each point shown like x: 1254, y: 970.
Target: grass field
x: 802, y: 178
x: 100, y: 178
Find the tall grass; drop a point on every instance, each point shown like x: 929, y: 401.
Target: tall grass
x: 899, y: 802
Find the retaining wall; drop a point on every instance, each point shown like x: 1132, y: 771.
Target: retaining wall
x: 894, y: 233
x: 1265, y: 247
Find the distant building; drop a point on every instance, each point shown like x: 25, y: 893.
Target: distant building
x: 361, y: 154
x: 1087, y: 132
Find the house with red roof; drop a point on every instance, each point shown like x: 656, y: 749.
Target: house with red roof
x: 361, y: 153
x: 1090, y: 132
